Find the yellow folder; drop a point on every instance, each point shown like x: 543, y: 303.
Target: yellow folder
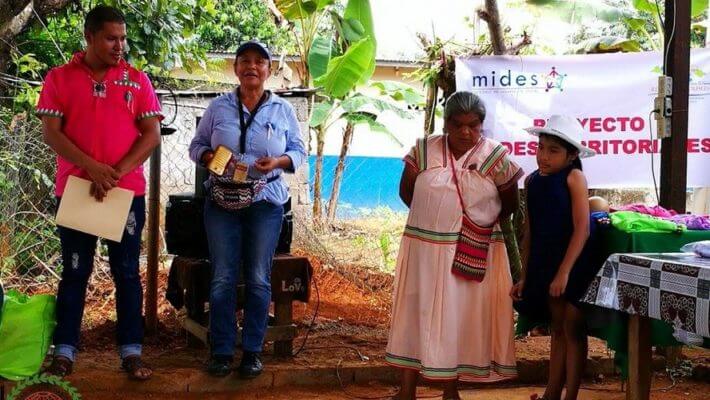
x: 80, y: 211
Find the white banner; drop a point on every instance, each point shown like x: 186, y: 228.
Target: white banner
x: 611, y: 95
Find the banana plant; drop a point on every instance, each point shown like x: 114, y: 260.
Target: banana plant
x: 573, y: 11
x: 305, y: 17
x: 641, y: 17
x: 640, y: 25
x: 337, y: 60
x: 358, y: 108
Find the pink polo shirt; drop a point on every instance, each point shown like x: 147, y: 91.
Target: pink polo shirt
x: 101, y: 122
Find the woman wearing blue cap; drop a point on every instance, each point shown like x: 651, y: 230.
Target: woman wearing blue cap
x: 260, y: 136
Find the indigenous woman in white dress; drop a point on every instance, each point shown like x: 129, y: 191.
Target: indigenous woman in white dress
x: 452, y: 318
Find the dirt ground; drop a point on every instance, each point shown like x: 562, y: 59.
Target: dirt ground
x: 350, y: 316
x: 663, y: 389
x: 352, y: 320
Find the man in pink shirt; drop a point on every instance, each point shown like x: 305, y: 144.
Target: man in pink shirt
x: 102, y: 118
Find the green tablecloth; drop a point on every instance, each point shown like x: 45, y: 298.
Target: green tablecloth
x: 612, y: 326
x: 616, y: 241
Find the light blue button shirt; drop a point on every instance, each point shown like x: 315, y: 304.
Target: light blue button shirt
x: 274, y: 132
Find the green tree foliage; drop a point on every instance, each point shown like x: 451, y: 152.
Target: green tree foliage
x: 161, y: 33
x: 239, y: 20
x: 618, y: 25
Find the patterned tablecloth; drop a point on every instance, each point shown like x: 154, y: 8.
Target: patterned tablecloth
x: 672, y: 287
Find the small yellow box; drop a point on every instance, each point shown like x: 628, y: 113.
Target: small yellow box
x: 219, y: 162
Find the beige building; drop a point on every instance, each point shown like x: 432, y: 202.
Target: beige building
x: 365, y: 143
x: 284, y: 71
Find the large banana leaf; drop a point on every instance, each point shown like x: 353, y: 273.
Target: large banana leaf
x: 608, y: 44
x: 346, y: 71
x: 324, y: 3
x: 296, y: 9
x: 360, y: 10
x: 300, y: 9
x: 360, y: 102
x: 353, y: 30
x: 399, y: 91
x: 697, y: 7
x: 647, y: 6
x: 360, y: 117
x: 319, y: 55
x: 636, y: 24
x: 580, y: 10
x: 320, y: 113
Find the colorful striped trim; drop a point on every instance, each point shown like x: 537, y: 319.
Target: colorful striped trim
x: 466, y: 271
x: 472, y: 372
x: 471, y: 256
x: 473, y: 152
x: 512, y: 181
x: 474, y: 242
x: 494, y: 158
x: 128, y: 83
x: 430, y: 236
x: 420, y: 153
x: 150, y: 114
x: 49, y: 113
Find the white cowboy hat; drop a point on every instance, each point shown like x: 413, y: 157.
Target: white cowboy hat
x: 566, y: 128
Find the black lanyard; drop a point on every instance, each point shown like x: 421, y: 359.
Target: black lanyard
x: 245, y: 125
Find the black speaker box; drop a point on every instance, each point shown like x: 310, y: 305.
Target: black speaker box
x: 184, y: 226
x: 185, y: 229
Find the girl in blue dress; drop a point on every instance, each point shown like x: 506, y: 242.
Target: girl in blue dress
x: 557, y: 255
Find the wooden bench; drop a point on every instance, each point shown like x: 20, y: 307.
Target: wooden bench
x: 290, y: 281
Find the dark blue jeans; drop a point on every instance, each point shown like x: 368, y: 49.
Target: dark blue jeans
x: 246, y: 238
x: 78, y: 251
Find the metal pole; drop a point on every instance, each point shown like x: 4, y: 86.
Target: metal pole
x: 151, y: 286
x: 674, y: 155
x: 151, y: 292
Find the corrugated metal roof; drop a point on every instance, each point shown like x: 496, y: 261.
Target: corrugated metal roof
x: 388, y: 62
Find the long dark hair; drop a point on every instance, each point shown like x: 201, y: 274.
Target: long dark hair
x: 576, y: 163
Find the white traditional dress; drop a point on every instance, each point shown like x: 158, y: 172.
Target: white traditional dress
x: 442, y: 325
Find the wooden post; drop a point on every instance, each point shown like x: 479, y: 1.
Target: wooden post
x: 151, y: 287
x: 639, y: 387
x: 674, y: 156
x: 284, y: 316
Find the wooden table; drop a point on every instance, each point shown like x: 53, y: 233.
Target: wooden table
x: 670, y: 287
x: 290, y: 281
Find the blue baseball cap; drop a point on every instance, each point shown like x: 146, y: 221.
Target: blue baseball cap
x: 254, y: 45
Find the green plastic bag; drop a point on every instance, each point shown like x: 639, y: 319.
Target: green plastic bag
x: 25, y: 333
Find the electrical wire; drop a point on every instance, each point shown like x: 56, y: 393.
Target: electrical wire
x: 658, y: 12
x: 315, y: 315
x: 175, y: 105
x: 665, y: 71
x: 670, y: 37
x: 653, y: 166
x: 59, y: 50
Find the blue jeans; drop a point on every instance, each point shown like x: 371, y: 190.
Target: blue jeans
x: 78, y: 251
x: 246, y: 238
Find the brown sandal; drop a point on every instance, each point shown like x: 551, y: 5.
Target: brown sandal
x: 60, y: 366
x: 133, y: 365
